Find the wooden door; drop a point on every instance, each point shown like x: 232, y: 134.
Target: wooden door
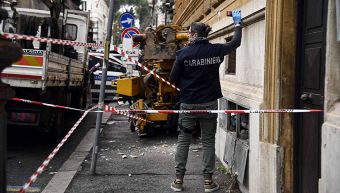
x: 310, y: 92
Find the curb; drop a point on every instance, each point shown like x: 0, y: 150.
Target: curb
x: 62, y: 179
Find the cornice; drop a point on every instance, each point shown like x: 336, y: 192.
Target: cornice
x: 188, y: 10
x: 246, y: 21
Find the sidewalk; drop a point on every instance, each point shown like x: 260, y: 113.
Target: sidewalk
x: 148, y: 166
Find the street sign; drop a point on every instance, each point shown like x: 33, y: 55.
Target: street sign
x: 128, y: 34
x: 127, y: 44
x: 127, y: 20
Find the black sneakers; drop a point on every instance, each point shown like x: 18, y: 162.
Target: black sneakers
x: 210, y: 186
x: 177, y: 185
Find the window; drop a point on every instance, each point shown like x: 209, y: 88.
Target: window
x: 231, y: 118
x: 230, y: 61
x: 83, y: 6
x: 236, y: 141
x: 237, y: 124
x: 71, y: 32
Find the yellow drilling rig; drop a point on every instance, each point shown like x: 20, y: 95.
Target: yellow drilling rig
x: 158, y: 53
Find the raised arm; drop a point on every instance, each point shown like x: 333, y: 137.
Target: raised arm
x: 234, y: 43
x: 236, y: 40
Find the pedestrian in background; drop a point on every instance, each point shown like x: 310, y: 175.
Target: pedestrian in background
x: 196, y: 73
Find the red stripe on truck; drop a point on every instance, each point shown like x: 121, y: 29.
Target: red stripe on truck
x: 21, y: 76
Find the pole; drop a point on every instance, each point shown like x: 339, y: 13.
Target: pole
x: 9, y: 53
x: 166, y: 15
x: 3, y: 138
x: 102, y: 88
x: 153, y: 12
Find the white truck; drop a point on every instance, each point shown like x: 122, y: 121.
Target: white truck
x: 48, y: 73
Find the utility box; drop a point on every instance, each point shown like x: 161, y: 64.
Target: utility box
x: 129, y: 86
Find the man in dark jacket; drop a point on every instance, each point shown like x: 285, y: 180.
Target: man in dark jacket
x: 196, y: 73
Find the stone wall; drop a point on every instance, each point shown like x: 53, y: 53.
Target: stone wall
x: 38, y: 4
x: 330, y: 151
x: 246, y: 87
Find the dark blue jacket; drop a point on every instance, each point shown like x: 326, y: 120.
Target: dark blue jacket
x: 196, y: 70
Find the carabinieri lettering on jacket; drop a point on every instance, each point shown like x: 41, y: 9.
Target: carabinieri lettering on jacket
x: 202, y: 62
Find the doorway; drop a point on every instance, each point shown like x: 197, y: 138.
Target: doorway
x: 310, y: 93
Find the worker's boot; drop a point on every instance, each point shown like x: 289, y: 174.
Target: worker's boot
x: 177, y: 185
x: 210, y: 186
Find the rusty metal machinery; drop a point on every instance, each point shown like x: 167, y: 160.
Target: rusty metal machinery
x: 146, y: 92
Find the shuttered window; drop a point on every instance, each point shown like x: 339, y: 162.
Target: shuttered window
x: 230, y: 61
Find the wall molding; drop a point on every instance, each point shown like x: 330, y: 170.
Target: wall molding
x: 244, y: 94
x: 187, y: 11
x: 246, y: 21
x: 279, y: 87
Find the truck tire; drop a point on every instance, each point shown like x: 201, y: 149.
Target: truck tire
x: 58, y: 126
x: 78, y: 100
x: 132, y: 126
x: 55, y: 118
x: 150, y: 129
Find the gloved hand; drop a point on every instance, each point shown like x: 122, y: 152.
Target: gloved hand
x: 237, y: 16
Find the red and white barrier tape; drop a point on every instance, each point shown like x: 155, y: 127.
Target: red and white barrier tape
x: 70, y: 108
x: 49, y: 40
x: 217, y: 111
x: 42, y: 167
x: 126, y: 111
x: 144, y: 67
x: 114, y: 110
x: 44, y: 104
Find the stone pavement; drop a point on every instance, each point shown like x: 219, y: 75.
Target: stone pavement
x: 127, y: 163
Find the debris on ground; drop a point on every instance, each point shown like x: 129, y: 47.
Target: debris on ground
x: 110, y: 122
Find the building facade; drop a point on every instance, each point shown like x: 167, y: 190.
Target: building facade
x: 288, y: 58
x: 99, y: 11
x: 44, y: 4
x: 158, y: 16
